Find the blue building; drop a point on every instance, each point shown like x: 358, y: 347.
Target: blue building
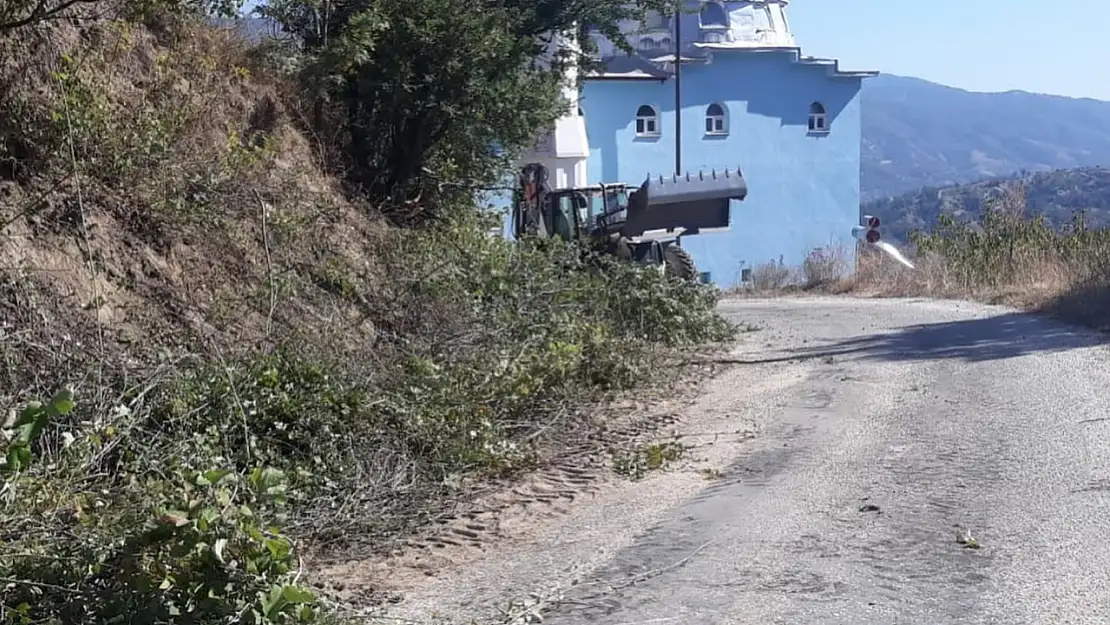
x: 748, y: 98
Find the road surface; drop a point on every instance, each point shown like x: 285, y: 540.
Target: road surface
x: 901, y: 436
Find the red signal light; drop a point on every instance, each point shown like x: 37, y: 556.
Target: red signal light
x: 872, y: 222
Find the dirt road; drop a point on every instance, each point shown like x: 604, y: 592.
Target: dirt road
x: 871, y: 461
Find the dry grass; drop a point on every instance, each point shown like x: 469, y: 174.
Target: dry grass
x: 1006, y: 258
x: 159, y: 184
x: 823, y: 270
x: 1074, y: 292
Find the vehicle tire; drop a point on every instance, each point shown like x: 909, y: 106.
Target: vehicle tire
x: 679, y: 263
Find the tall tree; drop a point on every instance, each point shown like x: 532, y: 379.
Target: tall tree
x: 432, y: 92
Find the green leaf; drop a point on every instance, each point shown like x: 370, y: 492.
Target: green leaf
x: 273, y: 603
x: 297, y: 595
x: 215, y: 475
x: 19, y: 458
x: 32, y: 419
x: 62, y: 403
x: 208, y: 515
x: 279, y: 549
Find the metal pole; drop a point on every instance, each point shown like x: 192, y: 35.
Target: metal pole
x: 678, y: 90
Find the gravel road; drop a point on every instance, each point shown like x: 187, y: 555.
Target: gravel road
x: 893, y: 431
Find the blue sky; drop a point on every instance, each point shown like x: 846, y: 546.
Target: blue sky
x: 982, y: 45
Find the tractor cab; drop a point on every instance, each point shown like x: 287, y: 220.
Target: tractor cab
x: 573, y: 214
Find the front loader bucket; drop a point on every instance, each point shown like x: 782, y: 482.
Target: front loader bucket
x: 691, y: 202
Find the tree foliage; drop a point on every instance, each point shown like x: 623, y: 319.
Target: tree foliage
x: 428, y: 91
x: 19, y: 14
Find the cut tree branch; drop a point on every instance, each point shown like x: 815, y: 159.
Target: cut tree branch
x: 42, y: 10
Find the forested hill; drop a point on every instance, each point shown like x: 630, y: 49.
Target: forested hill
x: 1055, y: 194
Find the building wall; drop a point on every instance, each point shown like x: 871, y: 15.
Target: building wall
x: 803, y: 187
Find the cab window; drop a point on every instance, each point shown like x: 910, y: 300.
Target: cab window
x: 563, y: 221
x: 581, y: 208
x: 597, y: 205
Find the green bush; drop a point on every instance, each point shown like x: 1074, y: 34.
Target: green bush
x: 155, y: 542
x: 173, y: 502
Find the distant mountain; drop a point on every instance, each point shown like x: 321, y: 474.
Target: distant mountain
x: 1057, y: 195
x: 917, y: 133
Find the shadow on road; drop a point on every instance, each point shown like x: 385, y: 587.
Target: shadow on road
x: 972, y: 340
x: 1085, y: 304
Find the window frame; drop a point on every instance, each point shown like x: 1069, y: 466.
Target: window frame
x: 818, y: 122
x: 713, y: 120
x: 648, y: 125
x: 713, y: 25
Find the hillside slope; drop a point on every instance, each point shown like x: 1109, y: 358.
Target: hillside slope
x: 918, y: 133
x: 1057, y: 195
x: 248, y: 367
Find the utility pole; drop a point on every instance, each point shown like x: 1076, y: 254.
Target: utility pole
x: 678, y: 89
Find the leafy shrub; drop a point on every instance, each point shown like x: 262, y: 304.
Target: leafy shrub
x: 169, y: 504
x: 177, y: 490
x: 157, y: 543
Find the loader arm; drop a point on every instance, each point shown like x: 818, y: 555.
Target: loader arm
x: 689, y: 203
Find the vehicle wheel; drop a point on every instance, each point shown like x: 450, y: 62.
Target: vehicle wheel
x: 679, y: 263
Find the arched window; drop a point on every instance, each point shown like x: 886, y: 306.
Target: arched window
x: 716, y: 121
x: 818, y: 119
x: 647, y: 121
x: 713, y: 15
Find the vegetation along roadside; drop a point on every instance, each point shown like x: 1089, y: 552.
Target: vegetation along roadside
x: 1004, y: 253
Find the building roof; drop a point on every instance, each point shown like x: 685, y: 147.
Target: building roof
x: 626, y: 67
x: 756, y: 26
x: 833, y: 65
x: 637, y: 67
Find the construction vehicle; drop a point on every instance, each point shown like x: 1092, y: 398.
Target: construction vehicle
x: 642, y: 224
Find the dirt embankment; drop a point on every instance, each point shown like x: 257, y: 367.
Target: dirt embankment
x: 252, y: 348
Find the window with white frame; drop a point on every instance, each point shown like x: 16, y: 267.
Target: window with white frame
x: 647, y: 121
x: 713, y: 15
x: 716, y: 121
x: 818, y: 119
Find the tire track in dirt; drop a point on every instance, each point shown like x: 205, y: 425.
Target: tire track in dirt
x: 540, y: 547
x: 511, y: 508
